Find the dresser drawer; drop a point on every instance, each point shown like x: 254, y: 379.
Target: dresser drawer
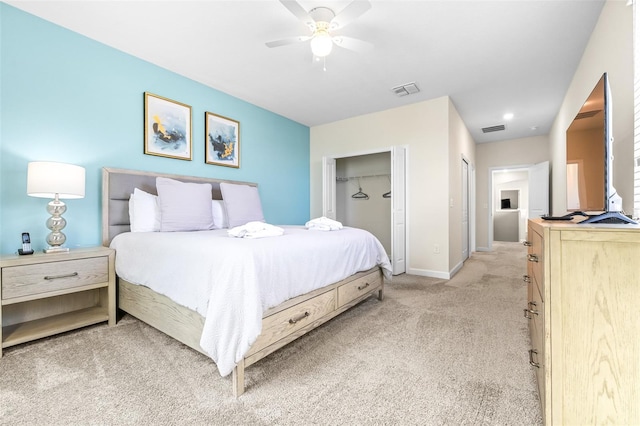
x: 28, y: 280
x: 535, y: 262
x: 536, y: 325
x: 284, y: 323
x: 356, y: 288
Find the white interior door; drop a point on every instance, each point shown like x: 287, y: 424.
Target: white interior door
x: 329, y: 187
x: 398, y: 213
x: 465, y: 210
x: 539, y: 190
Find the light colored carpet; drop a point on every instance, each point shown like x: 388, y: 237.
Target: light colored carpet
x: 434, y: 352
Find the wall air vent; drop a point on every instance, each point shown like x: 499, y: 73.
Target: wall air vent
x: 490, y: 129
x: 406, y: 89
x: 587, y: 114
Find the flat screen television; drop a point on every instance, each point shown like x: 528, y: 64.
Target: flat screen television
x: 590, y: 189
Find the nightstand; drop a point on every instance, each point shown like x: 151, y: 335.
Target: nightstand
x: 45, y: 294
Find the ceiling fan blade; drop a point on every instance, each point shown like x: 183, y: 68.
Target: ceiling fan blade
x: 353, y: 44
x: 288, y: 40
x: 349, y: 13
x: 299, y: 12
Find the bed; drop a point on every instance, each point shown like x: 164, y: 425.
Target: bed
x: 230, y: 336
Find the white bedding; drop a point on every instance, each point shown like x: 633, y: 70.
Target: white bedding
x: 232, y: 281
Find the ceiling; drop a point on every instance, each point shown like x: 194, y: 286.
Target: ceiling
x: 490, y: 57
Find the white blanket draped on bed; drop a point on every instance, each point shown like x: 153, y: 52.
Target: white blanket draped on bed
x: 232, y: 281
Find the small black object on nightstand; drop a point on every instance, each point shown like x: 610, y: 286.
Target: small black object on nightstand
x: 26, y: 244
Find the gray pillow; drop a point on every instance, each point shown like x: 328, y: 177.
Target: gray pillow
x: 242, y: 203
x: 184, y: 206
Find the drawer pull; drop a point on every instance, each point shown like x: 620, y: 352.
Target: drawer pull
x: 526, y: 278
x: 362, y: 287
x: 298, y: 318
x: 527, y: 243
x: 530, y: 311
x: 532, y: 257
x: 531, y: 361
x: 55, y: 277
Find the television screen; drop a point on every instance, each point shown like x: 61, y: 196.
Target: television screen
x: 505, y: 203
x: 586, y: 155
x: 590, y: 160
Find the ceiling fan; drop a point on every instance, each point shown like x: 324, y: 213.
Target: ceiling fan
x: 322, y: 21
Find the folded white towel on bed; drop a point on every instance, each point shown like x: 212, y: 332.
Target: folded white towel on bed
x: 323, y: 224
x: 255, y: 229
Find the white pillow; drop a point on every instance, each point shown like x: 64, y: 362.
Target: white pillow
x: 184, y: 206
x: 220, y: 220
x: 242, y: 203
x: 144, y: 213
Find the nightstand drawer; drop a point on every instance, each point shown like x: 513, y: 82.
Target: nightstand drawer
x: 27, y: 280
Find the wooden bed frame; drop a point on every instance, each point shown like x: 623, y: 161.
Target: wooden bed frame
x: 280, y: 325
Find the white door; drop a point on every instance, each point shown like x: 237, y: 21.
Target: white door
x: 398, y: 214
x: 539, y: 190
x: 465, y: 210
x: 329, y: 187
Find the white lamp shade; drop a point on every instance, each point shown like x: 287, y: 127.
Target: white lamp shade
x: 46, y: 179
x: 321, y: 44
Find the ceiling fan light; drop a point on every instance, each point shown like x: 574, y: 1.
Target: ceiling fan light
x: 321, y: 44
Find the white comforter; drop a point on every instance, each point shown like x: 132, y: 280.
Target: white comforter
x: 232, y: 281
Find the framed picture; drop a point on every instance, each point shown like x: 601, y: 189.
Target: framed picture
x: 167, y: 127
x: 222, y: 142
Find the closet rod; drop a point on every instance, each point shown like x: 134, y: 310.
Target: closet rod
x: 344, y: 179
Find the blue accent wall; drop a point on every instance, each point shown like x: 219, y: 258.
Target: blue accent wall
x: 67, y: 98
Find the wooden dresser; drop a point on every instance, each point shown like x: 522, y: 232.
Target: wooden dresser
x: 584, y: 320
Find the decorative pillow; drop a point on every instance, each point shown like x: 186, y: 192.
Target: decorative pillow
x: 144, y: 213
x: 242, y: 203
x: 220, y: 220
x: 184, y: 206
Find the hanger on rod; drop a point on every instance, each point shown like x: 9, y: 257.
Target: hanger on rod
x: 360, y: 195
x: 387, y: 194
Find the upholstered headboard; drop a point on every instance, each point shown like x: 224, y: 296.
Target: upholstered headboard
x: 118, y: 185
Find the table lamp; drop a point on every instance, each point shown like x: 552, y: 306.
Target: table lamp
x: 58, y: 181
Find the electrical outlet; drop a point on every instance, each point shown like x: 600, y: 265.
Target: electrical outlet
x: 436, y: 248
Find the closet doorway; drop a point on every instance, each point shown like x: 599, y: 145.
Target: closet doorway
x: 363, y: 194
x: 367, y: 191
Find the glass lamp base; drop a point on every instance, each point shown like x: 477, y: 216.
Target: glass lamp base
x: 56, y: 250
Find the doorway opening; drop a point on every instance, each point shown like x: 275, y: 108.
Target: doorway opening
x: 509, y: 204
x: 517, y: 194
x: 350, y: 182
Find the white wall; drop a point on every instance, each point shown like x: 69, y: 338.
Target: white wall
x: 514, y: 152
x: 609, y: 50
x: 423, y: 127
x: 461, y: 145
x: 436, y: 139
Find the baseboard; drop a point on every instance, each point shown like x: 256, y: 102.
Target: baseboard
x: 482, y: 249
x: 428, y: 273
x: 456, y: 269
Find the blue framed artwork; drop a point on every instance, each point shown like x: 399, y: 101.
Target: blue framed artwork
x: 167, y: 127
x: 222, y: 142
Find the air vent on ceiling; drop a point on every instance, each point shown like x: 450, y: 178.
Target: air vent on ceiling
x: 406, y: 89
x: 587, y: 114
x: 490, y: 129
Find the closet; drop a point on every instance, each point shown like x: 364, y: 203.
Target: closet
x: 363, y: 194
